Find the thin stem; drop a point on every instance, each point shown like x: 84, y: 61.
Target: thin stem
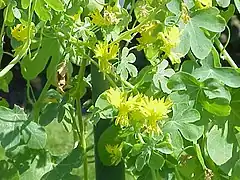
x: 32, y: 92
x: 113, y: 74
x: 140, y: 138
x: 37, y: 105
x: 8, y: 53
x: 25, y: 47
x: 137, y: 28
x: 79, y: 116
x: 28, y: 93
x: 225, y: 53
x: 3, y: 25
x: 154, y: 176
x: 228, y: 40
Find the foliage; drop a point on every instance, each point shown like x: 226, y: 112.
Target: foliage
x: 176, y: 118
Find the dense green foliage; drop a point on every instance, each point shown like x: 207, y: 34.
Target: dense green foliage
x: 178, y: 117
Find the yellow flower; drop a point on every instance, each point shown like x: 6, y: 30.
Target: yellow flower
x: 170, y: 38
x: 147, y: 35
x: 155, y: 110
x: 115, y: 152
x: 115, y: 97
x: 123, y: 115
x: 140, y: 112
x: 20, y: 32
x: 98, y: 19
x: 118, y: 99
x: 175, y: 57
x: 105, y: 52
x: 185, y: 16
x: 110, y: 16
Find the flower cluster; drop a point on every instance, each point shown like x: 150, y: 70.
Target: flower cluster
x: 170, y: 38
x: 110, y: 16
x: 105, y: 52
x: 20, y: 32
x: 115, y: 152
x: 141, y: 112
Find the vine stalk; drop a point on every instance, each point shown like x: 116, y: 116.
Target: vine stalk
x: 79, y: 117
x: 225, y: 53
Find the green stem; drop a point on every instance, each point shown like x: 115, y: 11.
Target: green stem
x: 2, y: 30
x: 37, y: 105
x: 191, y: 56
x: 137, y: 28
x: 113, y: 74
x: 225, y: 53
x: 140, y: 138
x: 28, y: 93
x: 80, y: 118
x: 199, y: 156
x: 154, y: 176
x: 25, y: 47
x: 3, y: 25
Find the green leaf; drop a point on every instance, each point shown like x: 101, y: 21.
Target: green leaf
x: 11, y: 118
x: 2, y: 4
x: 219, y: 150
x: 16, y: 13
x: 9, y: 14
x: 217, y: 107
x: 126, y: 68
x: 189, y: 66
x: 5, y: 80
x: 30, y: 68
x: 223, y: 3
x: 228, y: 13
x: 164, y: 147
x: 42, y: 11
x: 93, y: 5
x: 49, y: 113
x: 59, y: 141
x: 10, y: 122
x: 107, y: 110
x: 35, y: 172
x: 35, y: 136
x: 199, y: 43
x: 136, y: 149
x: 211, y: 93
x: 73, y: 160
x: 191, y: 169
x: 193, y: 34
x: 25, y: 4
x: 3, y: 102
x: 215, y: 89
x: 236, y: 171
x: 235, y: 110
x: 156, y: 161
x: 228, y: 76
x: 162, y: 75
x: 11, y: 139
x: 140, y: 161
x: 108, y: 137
x: 56, y: 5
x: 9, y: 174
x: 182, y: 121
x: 237, y: 4
x: 174, y: 6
